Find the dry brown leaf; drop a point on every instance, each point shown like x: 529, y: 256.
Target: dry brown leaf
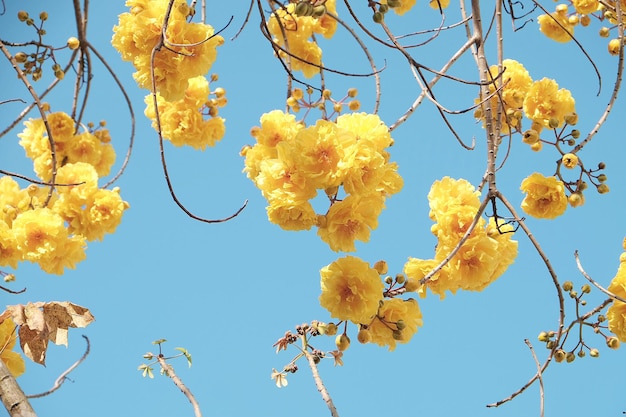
x: 34, y: 343
x: 40, y: 322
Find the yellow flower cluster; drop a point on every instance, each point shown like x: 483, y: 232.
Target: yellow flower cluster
x: 547, y: 105
x: 557, y: 25
x: 70, y: 146
x: 189, y: 50
x: 291, y: 162
x: 541, y: 101
x: 55, y: 236
x: 182, y: 123
x: 13, y: 360
x: 616, y: 314
x: 180, y: 65
x: 484, y: 256
x: 353, y: 291
x: 52, y: 228
x: 545, y: 196
x: 295, y: 34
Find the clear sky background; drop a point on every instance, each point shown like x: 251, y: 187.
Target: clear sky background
x: 227, y: 292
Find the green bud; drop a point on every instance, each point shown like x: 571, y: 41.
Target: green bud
x: 383, y: 8
x: 586, y: 288
x: 397, y: 335
x: 400, y: 279
x: 581, y: 353
x: 603, y: 188
x: 378, y: 17
x: 569, y: 357
x: 602, y: 177
x: 553, y: 123
x: 543, y: 337
x: 400, y: 324
x: 575, y: 133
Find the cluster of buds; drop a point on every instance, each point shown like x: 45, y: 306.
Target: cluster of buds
x: 312, y: 8
x: 32, y: 63
x: 296, y: 101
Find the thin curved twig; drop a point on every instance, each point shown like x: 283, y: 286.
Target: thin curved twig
x: 63, y: 377
x: 539, y: 372
x: 593, y: 282
x: 157, y: 48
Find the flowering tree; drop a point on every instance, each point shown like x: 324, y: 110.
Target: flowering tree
x: 320, y: 162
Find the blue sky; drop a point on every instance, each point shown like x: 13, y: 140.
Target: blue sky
x: 227, y: 292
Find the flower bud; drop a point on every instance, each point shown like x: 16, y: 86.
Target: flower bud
x: 352, y: 92
x: 575, y: 134
x: 536, y: 147
x: 601, y: 165
x: 586, y: 288
x: 393, y: 3
x: 614, y: 46
x: 20, y: 57
x: 581, y: 353
x: 342, y: 342
x: 604, y: 32
x: 602, y: 177
x: 568, y: 285
x: 603, y: 188
x: 543, y: 337
x: 400, y: 324
x: 400, y: 279
x: 330, y: 329
x: 364, y: 336
x: 559, y: 355
x: 397, y: 335
x: 22, y: 15
x: 378, y: 17
x: 594, y: 353
x: 585, y: 20
x: 569, y: 357
x: 381, y: 267
x: 553, y: 123
x: 43, y: 16
x: 354, y: 105
x: 576, y: 199
x: 571, y: 118
x: 612, y: 342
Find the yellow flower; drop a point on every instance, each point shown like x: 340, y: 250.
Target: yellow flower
x: 561, y: 31
x: 10, y: 255
x: 351, y: 290
x: 322, y: 151
x: 103, y: 213
x: 569, y: 160
x: 585, y: 6
x: 448, y: 192
x: 291, y: 214
x: 276, y: 126
x: 545, y: 101
x: 139, y: 31
x: 415, y: 270
x: 396, y: 322
x: 545, y: 196
x: 349, y: 220
x: 13, y: 360
x: 616, y: 314
x: 39, y: 233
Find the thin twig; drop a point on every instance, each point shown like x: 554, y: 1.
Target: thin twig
x: 169, y: 371
x: 318, y: 380
x: 63, y: 377
x: 539, y: 372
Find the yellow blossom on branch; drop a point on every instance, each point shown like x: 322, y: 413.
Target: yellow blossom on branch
x: 545, y: 102
x: 351, y: 290
x: 13, y: 360
x: 616, y: 314
x: 545, y: 196
x: 556, y: 26
x: 396, y: 321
